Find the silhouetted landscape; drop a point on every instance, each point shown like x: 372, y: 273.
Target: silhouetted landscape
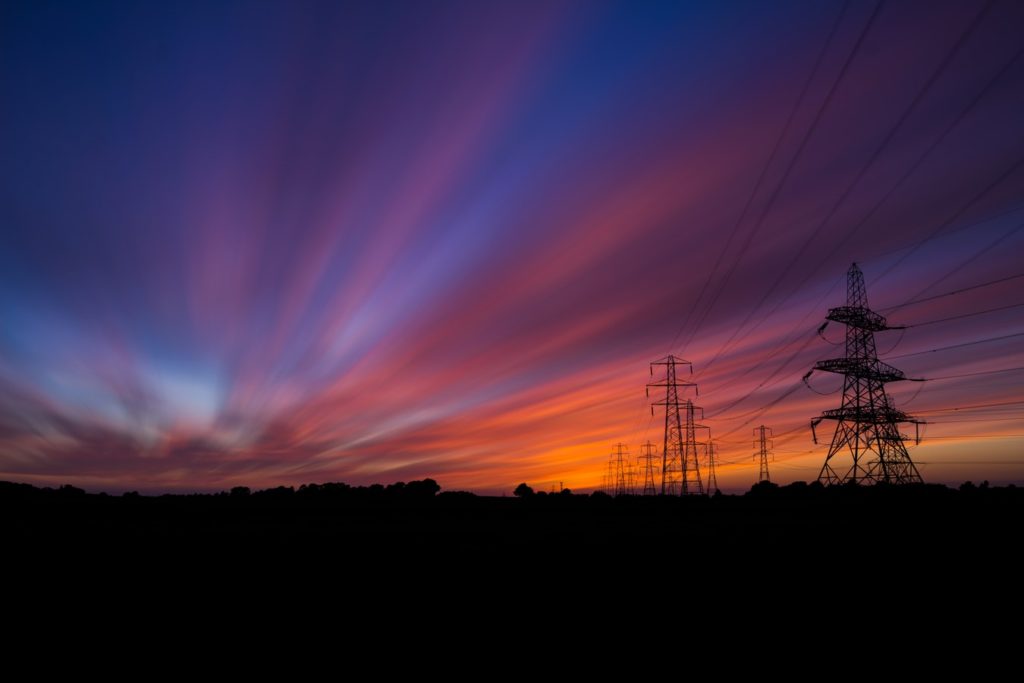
x: 355, y: 529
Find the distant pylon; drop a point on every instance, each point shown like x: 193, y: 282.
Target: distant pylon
x: 648, y: 457
x: 673, y: 452
x: 763, y: 444
x: 622, y: 470
x: 712, y: 479
x: 691, y: 465
x: 867, y: 422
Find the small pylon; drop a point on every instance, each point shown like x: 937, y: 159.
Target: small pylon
x: 712, y: 479
x: 691, y: 482
x: 763, y: 444
x: 648, y: 456
x: 622, y: 472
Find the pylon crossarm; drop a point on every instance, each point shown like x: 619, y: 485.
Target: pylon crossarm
x: 856, y: 316
x: 863, y: 414
x: 866, y: 368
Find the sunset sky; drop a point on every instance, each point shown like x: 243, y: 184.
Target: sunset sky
x: 262, y: 243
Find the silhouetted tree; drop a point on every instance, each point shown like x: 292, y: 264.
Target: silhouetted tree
x: 426, y: 488
x: 763, y: 488
x: 69, y: 490
x: 523, y: 491
x: 276, y: 492
x: 240, y: 491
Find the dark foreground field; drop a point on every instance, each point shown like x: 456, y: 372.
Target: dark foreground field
x: 883, y: 531
x: 406, y: 562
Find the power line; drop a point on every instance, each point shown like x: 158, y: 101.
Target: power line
x: 935, y: 233
x: 925, y: 154
x: 760, y: 179
x: 992, y: 245
x: 958, y: 346
x: 1013, y: 463
x: 763, y: 408
x: 786, y: 394
x: 974, y: 200
x: 955, y: 291
x: 977, y: 405
x: 965, y: 315
x: 918, y: 98
x: 1019, y: 418
x: 977, y: 436
x: 792, y: 163
x: 976, y: 374
x: 992, y: 217
x: 764, y: 382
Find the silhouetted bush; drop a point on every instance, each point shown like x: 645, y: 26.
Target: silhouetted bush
x: 523, y: 491
x: 426, y: 488
x: 277, y: 492
x: 763, y: 488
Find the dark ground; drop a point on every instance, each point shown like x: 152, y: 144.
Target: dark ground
x: 792, y: 564
x: 372, y: 530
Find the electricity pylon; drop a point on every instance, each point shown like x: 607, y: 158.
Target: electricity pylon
x: 712, y: 479
x: 648, y: 456
x: 763, y: 444
x: 867, y: 422
x: 675, y: 477
x: 623, y: 475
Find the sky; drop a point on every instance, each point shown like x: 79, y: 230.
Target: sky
x: 268, y: 243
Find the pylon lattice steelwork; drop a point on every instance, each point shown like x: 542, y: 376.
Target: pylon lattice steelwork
x: 712, y: 479
x: 763, y: 443
x: 623, y: 472
x: 867, y: 422
x: 676, y: 476
x: 648, y: 456
x: 691, y: 464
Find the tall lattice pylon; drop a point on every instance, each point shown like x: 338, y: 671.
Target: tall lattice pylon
x: 867, y: 422
x: 674, y: 476
x: 763, y: 443
x: 623, y: 472
x: 649, y: 457
x: 712, y: 479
